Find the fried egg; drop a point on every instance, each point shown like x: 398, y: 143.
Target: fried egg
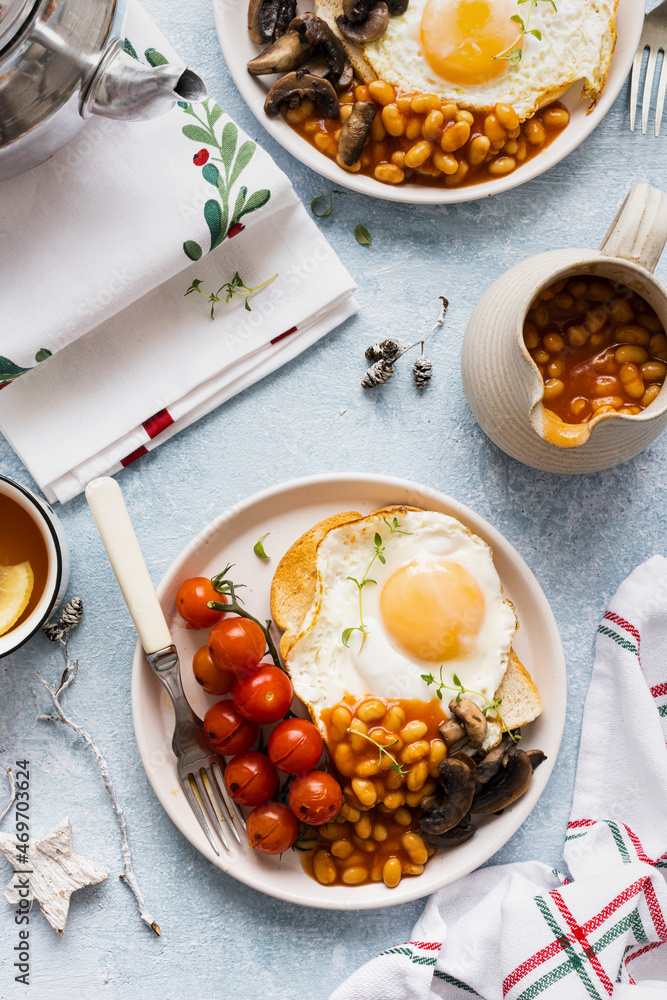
x: 451, y: 48
x: 434, y: 604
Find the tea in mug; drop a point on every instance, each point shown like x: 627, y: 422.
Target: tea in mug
x: 23, y: 564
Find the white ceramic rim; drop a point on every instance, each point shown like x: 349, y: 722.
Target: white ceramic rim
x: 248, y: 867
x: 238, y: 49
x: 16, y: 637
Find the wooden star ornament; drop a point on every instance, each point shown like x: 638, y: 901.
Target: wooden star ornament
x: 52, y: 873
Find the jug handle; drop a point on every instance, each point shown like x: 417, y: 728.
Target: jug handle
x: 639, y: 231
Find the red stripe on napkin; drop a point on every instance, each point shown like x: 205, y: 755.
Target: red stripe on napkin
x: 659, y: 690
x: 133, y: 456
x: 158, y: 422
x: 281, y: 336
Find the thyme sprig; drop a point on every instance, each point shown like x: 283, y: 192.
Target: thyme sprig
x: 461, y: 690
x: 395, y: 767
x: 380, y: 545
x: 513, y: 53
x: 225, y: 586
x: 234, y: 289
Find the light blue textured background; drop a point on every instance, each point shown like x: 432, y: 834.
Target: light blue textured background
x: 581, y: 536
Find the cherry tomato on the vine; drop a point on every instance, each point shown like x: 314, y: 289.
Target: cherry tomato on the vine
x: 237, y: 645
x: 251, y: 778
x: 315, y: 798
x: 264, y: 695
x: 295, y: 746
x: 272, y: 828
x: 213, y: 680
x: 226, y: 731
x: 192, y: 599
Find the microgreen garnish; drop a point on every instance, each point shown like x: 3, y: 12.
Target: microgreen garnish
x: 258, y: 547
x: 513, y: 53
x: 362, y: 236
x: 226, y: 587
x: 234, y: 289
x: 379, y: 545
x: 395, y: 767
x: 323, y: 198
x: 461, y: 690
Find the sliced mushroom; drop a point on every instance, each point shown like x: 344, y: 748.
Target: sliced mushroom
x: 472, y: 718
x: 316, y: 66
x: 369, y: 30
x: 457, y: 835
x: 508, y: 785
x: 269, y: 19
x: 290, y: 90
x: 536, y: 757
x: 489, y: 765
x: 465, y: 758
x: 317, y: 33
x: 397, y: 7
x: 459, y: 789
x: 452, y: 732
x: 355, y: 130
x: 287, y: 53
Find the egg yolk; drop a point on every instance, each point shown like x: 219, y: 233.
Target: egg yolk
x: 460, y: 38
x: 433, y: 610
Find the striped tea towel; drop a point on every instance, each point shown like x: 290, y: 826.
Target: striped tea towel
x: 523, y: 931
x: 102, y: 356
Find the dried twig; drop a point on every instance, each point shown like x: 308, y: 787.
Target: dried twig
x: 69, y: 619
x: 12, y: 794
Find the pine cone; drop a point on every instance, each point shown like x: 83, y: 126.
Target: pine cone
x: 421, y: 372
x: 390, y: 348
x: 52, y: 631
x: 377, y: 374
x: 71, y: 614
x: 373, y: 353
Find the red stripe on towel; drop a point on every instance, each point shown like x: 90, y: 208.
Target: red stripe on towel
x: 282, y: 336
x: 158, y: 422
x: 133, y: 456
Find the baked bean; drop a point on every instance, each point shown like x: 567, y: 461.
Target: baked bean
x: 578, y: 405
x: 379, y: 832
x: 478, y: 150
x: 413, y: 129
x: 415, y: 847
x: 394, y: 719
x: 378, y: 131
x: 384, y: 738
x: 465, y: 116
x: 345, y: 112
x: 650, y: 395
x: 455, y: 136
x: 423, y: 103
x: 556, y: 117
x: 355, y: 875
x: 361, y: 93
x: 449, y: 111
x: 522, y: 151
x: 458, y: 178
x: 432, y: 125
x: 367, y: 846
x: 511, y: 147
x: 654, y: 371
x: 409, y: 868
x: 312, y: 126
x: 514, y: 133
x: 550, y: 293
x: 437, y: 753
x: 415, y: 751
x: 297, y: 115
x: 393, y: 780
x: 493, y: 130
x: 391, y: 872
x: 394, y: 800
x: 349, y: 812
x: 403, y: 816
x: 555, y: 369
x: 563, y: 301
x: 363, y: 827
x: 541, y: 317
x: 632, y: 380
x: 382, y: 92
x: 352, y: 168
x: 598, y: 339
x: 540, y: 357
x: 535, y: 132
x: 606, y: 385
x: 370, y: 710
x: 607, y: 403
x: 600, y: 291
x: 553, y: 388
x: 579, y: 289
x: 389, y: 173
x: 631, y: 353
x: 658, y: 343
x: 621, y: 311
x: 650, y: 323
x: 416, y: 778
x: 324, y: 868
x: 341, y: 719
x: 633, y: 334
x: 344, y: 759
x: 418, y: 154
x: 393, y: 120
x: 342, y: 848
x: 370, y: 766
x: 507, y: 116
x: 365, y: 791
x: 398, y: 157
x: 577, y: 336
x: 531, y: 336
x: 553, y: 343
x: 595, y: 319
x: 359, y: 729
x: 445, y: 162
x: 414, y: 730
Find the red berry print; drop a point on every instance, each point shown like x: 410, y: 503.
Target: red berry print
x: 200, y: 158
x: 235, y: 230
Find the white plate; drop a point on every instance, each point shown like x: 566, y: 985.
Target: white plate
x: 287, y: 511
x: 238, y: 49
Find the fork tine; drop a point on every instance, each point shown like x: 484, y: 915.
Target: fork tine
x: 210, y: 808
x: 197, y: 810
x: 648, y: 88
x: 662, y: 90
x: 634, y: 93
x: 226, y: 804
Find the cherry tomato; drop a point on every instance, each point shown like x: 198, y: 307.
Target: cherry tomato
x: 206, y: 673
x: 272, y: 828
x: 251, y: 778
x: 191, y: 602
x: 315, y: 798
x: 295, y: 746
x: 264, y: 695
x: 226, y: 731
x: 237, y: 645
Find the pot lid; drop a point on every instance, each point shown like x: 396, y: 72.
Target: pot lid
x: 13, y: 14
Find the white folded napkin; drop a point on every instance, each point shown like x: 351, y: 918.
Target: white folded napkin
x: 102, y: 354
x: 523, y: 931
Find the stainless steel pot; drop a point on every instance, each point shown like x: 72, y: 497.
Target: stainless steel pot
x: 62, y: 61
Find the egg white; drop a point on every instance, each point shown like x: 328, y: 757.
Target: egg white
x: 578, y: 41
x: 324, y: 670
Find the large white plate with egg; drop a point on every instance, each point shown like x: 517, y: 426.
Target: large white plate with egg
x: 286, y: 511
x: 238, y: 49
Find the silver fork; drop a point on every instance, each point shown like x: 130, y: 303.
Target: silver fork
x: 654, y: 38
x: 200, y: 771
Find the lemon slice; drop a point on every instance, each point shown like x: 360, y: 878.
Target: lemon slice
x: 16, y: 583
